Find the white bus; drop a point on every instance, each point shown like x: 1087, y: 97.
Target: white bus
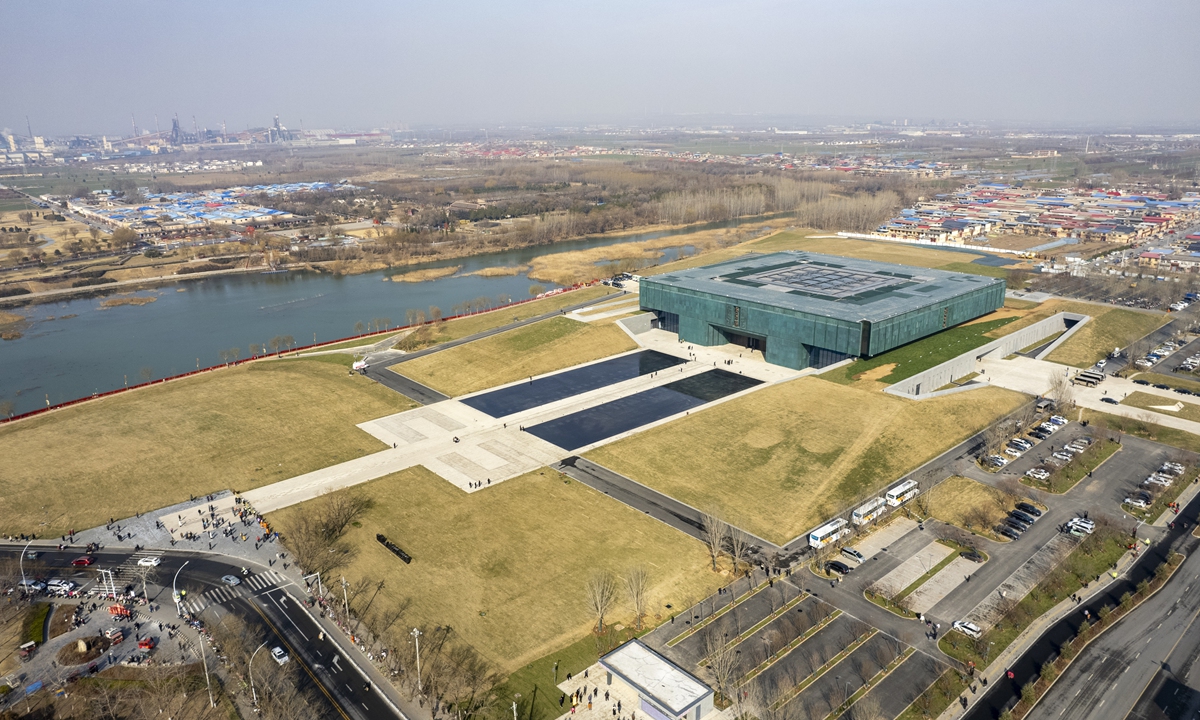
x: 902, y: 493
x: 868, y: 511
x: 827, y: 533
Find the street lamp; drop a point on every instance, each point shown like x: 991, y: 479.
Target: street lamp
x: 417, y: 639
x: 250, y: 671
x: 21, y: 562
x: 174, y: 592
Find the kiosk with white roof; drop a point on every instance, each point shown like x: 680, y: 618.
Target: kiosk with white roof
x: 665, y: 691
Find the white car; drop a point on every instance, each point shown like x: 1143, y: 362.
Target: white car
x: 1101, y: 363
x: 1037, y: 473
x: 1134, y: 502
x: 1012, y: 452
x: 1058, y: 420
x: 969, y: 629
x: 150, y: 562
x: 1065, y: 457
x: 280, y: 656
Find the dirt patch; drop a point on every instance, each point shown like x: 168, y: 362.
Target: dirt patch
x: 1018, y: 242
x: 7, y: 318
x: 60, y: 620
x: 136, y: 300
x: 424, y: 275
x: 1004, y: 312
x: 876, y: 373
x: 70, y: 654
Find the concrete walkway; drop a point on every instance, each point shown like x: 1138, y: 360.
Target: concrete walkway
x: 1033, y: 377
x: 907, y: 572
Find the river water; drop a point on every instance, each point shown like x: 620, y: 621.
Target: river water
x: 96, y: 349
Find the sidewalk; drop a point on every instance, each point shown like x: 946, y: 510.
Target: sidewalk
x: 996, y: 669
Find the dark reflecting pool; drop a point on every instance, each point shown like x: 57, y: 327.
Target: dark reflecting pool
x: 571, y: 432
x: 515, y: 398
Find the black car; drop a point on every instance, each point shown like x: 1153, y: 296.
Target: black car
x: 1015, y: 524
x: 1009, y: 533
x: 1141, y: 382
x: 1183, y: 391
x: 833, y: 566
x: 1039, y: 434
x: 971, y: 555
x: 1029, y: 509
x: 1109, y: 400
x: 1160, y: 386
x: 1023, y: 517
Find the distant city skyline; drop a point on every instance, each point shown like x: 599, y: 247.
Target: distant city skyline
x: 76, y: 67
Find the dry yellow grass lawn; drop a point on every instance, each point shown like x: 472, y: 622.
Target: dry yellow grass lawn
x: 506, y: 567
x: 968, y: 504
x: 1147, y: 401
x: 584, y: 265
x: 779, y: 461
x: 1109, y: 328
x: 236, y: 428
x: 535, y: 349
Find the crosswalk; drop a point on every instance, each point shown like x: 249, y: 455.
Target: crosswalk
x: 250, y: 584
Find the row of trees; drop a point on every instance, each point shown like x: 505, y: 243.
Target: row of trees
x: 603, y: 591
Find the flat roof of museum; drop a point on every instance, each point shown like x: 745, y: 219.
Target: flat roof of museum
x: 826, y: 285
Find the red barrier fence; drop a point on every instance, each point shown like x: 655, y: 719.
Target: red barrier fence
x: 232, y: 363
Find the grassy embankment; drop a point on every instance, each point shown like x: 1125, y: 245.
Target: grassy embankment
x: 970, y: 505
x: 1109, y: 328
x: 515, y: 558
x: 531, y: 350
x: 780, y: 460
x: 238, y: 428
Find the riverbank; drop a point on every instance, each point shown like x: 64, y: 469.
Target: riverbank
x: 571, y: 270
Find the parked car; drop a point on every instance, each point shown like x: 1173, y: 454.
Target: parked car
x: 852, y: 554
x: 969, y: 629
x: 1029, y: 509
x: 1012, y: 452
x: 280, y: 656
x: 1015, y: 524
x: 1022, y: 516
x: 1065, y: 457
x: 972, y: 555
x: 31, y: 585
x: 835, y: 566
x: 1141, y: 382
x: 1137, y: 503
x: 1058, y: 420
x: 1110, y: 401
x: 1161, y: 386
x: 1037, y: 473
x: 1009, y: 533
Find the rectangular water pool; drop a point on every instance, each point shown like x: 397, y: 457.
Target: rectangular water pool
x: 579, y: 429
x: 516, y: 398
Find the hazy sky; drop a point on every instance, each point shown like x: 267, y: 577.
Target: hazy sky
x: 76, y: 66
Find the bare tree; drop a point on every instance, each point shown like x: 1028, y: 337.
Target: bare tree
x: 867, y: 708
x: 722, y: 661
x: 637, y: 582
x: 1061, y: 391
x: 601, y: 592
x: 739, y: 547
x: 715, y: 530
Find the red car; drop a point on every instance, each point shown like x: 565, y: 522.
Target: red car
x: 83, y: 561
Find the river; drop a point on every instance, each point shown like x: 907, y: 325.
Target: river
x: 74, y: 348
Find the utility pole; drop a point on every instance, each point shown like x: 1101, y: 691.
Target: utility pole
x: 417, y: 639
x: 204, y: 659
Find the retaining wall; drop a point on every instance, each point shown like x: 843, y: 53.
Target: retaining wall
x: 925, y: 385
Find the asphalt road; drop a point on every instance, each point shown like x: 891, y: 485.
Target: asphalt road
x: 425, y: 395
x: 276, y: 609
x: 1003, y: 694
x: 1153, y: 649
